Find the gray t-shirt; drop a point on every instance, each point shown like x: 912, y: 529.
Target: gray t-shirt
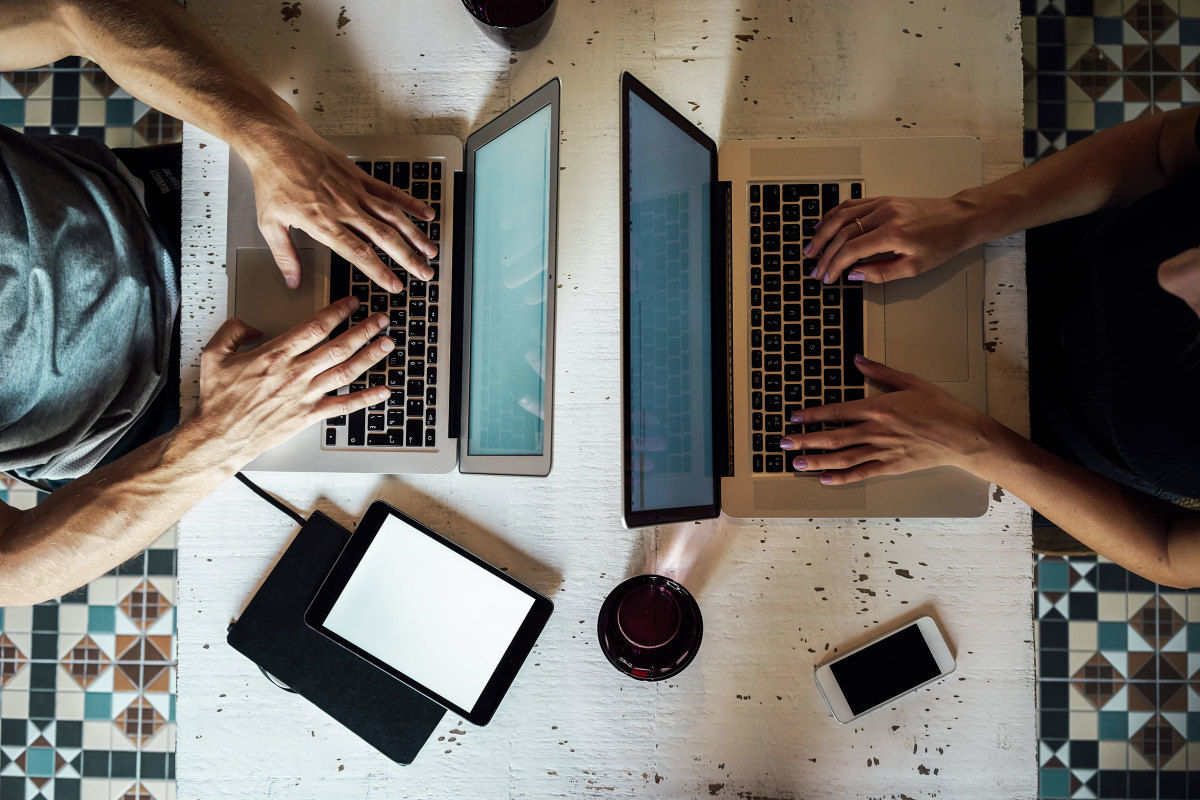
x: 88, y: 301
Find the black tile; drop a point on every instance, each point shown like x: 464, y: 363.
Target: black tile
x: 1143, y: 784
x: 1051, y: 87
x: 1051, y: 58
x: 1172, y: 785
x: 123, y: 764
x: 1081, y: 606
x: 12, y: 732
x: 64, y: 113
x: 1028, y: 8
x: 170, y: 766
x: 1077, y: 136
x: 1053, y: 634
x: 41, y: 704
x: 1084, y: 754
x: 44, y: 645
x: 1079, y: 8
x: 1055, y: 725
x: 12, y: 787
x: 37, y: 130
x: 160, y: 561
x: 1031, y: 144
x: 95, y: 763
x: 45, y: 617
x: 1052, y: 664
x: 1050, y: 30
x: 1139, y: 584
x: 91, y: 132
x: 1111, y: 578
x: 66, y: 789
x: 154, y: 765
x: 1051, y: 116
x: 65, y: 86
x: 80, y: 595
x: 1114, y: 784
x: 134, y: 566
x: 43, y: 675
x: 1053, y: 695
x: 68, y: 733
x: 68, y: 62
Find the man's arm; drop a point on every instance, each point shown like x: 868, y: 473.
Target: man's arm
x: 248, y: 403
x: 156, y: 53
x: 1110, y: 168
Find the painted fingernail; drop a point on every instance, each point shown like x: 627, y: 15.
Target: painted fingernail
x: 799, y: 463
x: 797, y: 416
x: 786, y: 444
x: 817, y: 227
x: 826, y: 479
x: 856, y: 276
x: 829, y: 277
x: 861, y: 359
x: 807, y: 247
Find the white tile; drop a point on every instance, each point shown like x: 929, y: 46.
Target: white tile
x: 14, y: 704
x: 97, y: 734
x: 72, y: 618
x: 68, y: 705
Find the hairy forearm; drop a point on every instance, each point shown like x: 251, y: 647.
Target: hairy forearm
x: 1110, y: 168
x: 109, y: 515
x: 1148, y: 536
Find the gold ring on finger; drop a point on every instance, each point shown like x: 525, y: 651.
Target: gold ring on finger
x: 858, y: 221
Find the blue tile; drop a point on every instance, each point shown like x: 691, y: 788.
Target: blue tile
x: 12, y: 114
x: 1053, y: 576
x: 1113, y: 636
x: 39, y: 762
x: 97, y: 705
x: 1193, y: 637
x: 1054, y: 784
x: 118, y: 111
x: 1114, y: 726
x: 102, y: 619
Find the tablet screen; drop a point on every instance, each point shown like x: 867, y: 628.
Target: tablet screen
x: 510, y: 262
x: 428, y: 612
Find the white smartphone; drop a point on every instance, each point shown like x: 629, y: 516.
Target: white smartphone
x: 892, y: 664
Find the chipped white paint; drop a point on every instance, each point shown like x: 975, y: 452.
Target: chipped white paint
x: 745, y: 719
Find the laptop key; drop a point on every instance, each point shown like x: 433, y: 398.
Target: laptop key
x: 812, y: 388
x: 382, y: 171
x: 770, y: 243
x: 756, y: 317
x: 793, y: 333
x: 431, y: 355
x: 832, y: 377
x: 770, y: 223
x: 772, y: 283
x: 413, y: 432
x: 833, y: 358
x: 430, y: 437
x: 432, y: 334
x: 375, y: 422
x: 431, y: 376
x: 420, y: 190
x: 772, y: 342
x: 812, y: 327
x: 435, y: 192
x: 430, y: 417
x: 395, y: 418
x: 755, y: 255
x: 395, y: 377
x: 775, y: 403
x: 794, y: 191
x: 774, y: 362
x: 758, y: 442
x: 853, y: 394
x: 356, y: 431
x: 416, y: 327
x: 771, y: 262
x: 755, y: 193
x: 812, y: 367
x: 775, y: 462
x: 833, y: 396
x: 755, y: 236
x: 829, y: 197
x: 399, y: 317
x: 400, y: 174
x: 416, y: 308
x: 793, y: 394
x: 774, y: 423
x: 756, y: 420
x: 832, y: 337
x: 756, y: 380
x: 416, y: 349
x: 756, y: 359
x: 791, y: 233
x: 793, y: 352
x: 774, y: 382
x: 791, y: 212
x: 431, y: 396
x: 330, y: 437
x: 365, y: 166
x: 420, y: 170
x: 791, y: 312
x: 770, y: 201
x: 856, y: 190
x: 758, y: 462
x: 852, y: 330
x: 755, y: 215
x: 772, y: 302
x: 756, y: 273
x: 812, y: 208
x: 792, y: 372
x: 415, y: 387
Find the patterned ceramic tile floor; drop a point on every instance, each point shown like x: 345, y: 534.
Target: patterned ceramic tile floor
x: 87, y: 682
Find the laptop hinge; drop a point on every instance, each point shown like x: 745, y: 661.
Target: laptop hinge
x: 457, y: 271
x: 722, y: 315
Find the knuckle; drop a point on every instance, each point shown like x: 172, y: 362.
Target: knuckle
x: 342, y: 373
x: 315, y: 329
x: 362, y: 252
x: 338, y: 352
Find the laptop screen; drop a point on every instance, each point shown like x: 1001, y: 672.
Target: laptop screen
x: 668, y: 316
x: 510, y: 263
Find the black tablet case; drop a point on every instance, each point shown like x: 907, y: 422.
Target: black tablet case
x: 393, y: 718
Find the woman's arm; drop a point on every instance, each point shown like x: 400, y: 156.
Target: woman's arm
x: 156, y: 53
x: 918, y: 425
x: 1110, y: 168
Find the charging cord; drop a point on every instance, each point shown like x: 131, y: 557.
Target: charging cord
x: 270, y: 498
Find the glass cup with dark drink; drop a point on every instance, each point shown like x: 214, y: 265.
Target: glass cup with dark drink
x: 650, y: 627
x: 516, y: 24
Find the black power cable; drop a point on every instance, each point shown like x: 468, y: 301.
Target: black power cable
x: 270, y: 498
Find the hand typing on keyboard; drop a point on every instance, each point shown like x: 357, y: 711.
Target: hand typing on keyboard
x: 919, y: 233
x: 302, y: 181
x: 914, y: 426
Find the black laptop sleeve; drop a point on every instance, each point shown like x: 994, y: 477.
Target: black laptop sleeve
x: 393, y: 718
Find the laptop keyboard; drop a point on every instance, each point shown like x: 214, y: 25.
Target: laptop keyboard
x: 408, y: 418
x: 804, y: 334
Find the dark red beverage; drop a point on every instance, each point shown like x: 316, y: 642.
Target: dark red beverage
x: 650, y: 627
x: 518, y: 24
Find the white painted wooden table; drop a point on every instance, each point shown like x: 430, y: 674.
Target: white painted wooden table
x: 745, y: 720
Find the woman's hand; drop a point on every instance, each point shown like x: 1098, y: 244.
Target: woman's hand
x: 911, y: 234
x: 302, y: 181
x: 1181, y: 277
x: 915, y: 426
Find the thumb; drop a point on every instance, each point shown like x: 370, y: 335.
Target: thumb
x: 881, y: 271
x: 284, y: 250
x: 883, y: 374
x: 232, y: 334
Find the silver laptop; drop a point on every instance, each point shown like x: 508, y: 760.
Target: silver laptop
x: 472, y: 372
x: 724, y: 336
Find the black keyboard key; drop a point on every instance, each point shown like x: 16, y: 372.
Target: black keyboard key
x: 774, y: 423
x: 792, y: 252
x: 793, y: 352
x: 379, y: 302
x: 395, y: 377
x: 772, y: 343
x: 413, y: 432
x: 397, y: 301
x: 755, y: 237
x: 758, y: 462
x: 812, y: 208
x: 435, y: 192
x: 756, y: 401
x: 395, y: 418
x: 400, y: 174
x: 431, y: 355
x: 772, y: 442
x: 775, y: 403
x: 431, y: 396
x: 416, y: 327
x: 433, y: 293
x: 831, y: 316
x: 415, y: 387
x: 416, y: 349
x: 435, y: 229
x: 791, y: 212
x: 365, y: 166
x: 833, y: 358
x: 770, y: 201
x: 380, y: 440
x: 812, y: 287
x: 771, y: 262
x: 420, y: 170
x: 830, y: 297
x: 775, y: 462
x: 758, y: 442
x: 416, y: 308
x: 416, y: 288
x: 793, y: 333
x: 399, y: 317
x: 756, y: 317
x: 431, y: 335
x: 791, y: 312
x: 791, y: 292
x: 852, y: 333
x: 756, y: 338
x: 430, y: 437
x: 356, y: 431
x: 339, y: 277
x: 755, y: 215
x: 431, y: 376
x: 756, y: 359
x: 397, y: 399
x: 812, y: 388
x: 812, y: 367
x: 375, y: 422
x: 756, y: 274
x: 770, y: 223
x: 812, y: 308
x: 812, y: 348
x: 754, y: 193
x: 756, y: 254
x: 772, y: 323
x: 810, y: 226
x: 430, y: 417
x: 832, y: 377
x: 330, y: 437
x: 855, y: 191
x: 376, y: 379
x: 415, y: 407
x: 792, y: 393
x: 792, y: 373
x: 382, y: 171
x: 420, y: 190
x: 832, y: 337
x: 829, y: 197
x: 812, y: 327
x: 774, y: 382
x: 791, y: 233
x: 756, y: 420
x: 756, y: 380
x: 770, y: 243
x: 362, y: 291
x: 833, y: 396
x: 792, y: 192
x: 772, y: 283
x: 853, y: 394
x: 772, y: 302
x: 774, y: 362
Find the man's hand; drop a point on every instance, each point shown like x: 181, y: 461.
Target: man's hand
x: 914, y: 234
x: 302, y: 181
x: 915, y: 426
x: 255, y: 400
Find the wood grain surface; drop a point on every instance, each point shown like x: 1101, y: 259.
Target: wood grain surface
x: 745, y: 720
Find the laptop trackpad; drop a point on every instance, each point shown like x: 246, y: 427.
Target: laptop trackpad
x: 262, y: 299
x: 926, y: 325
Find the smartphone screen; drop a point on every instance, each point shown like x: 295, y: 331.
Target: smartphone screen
x: 886, y: 669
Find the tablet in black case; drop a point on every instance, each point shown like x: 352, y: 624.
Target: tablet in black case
x: 391, y: 717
